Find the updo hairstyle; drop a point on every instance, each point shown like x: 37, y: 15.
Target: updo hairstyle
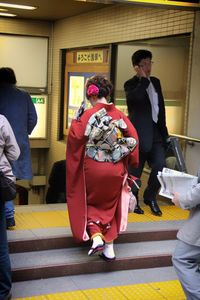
x: 104, y: 86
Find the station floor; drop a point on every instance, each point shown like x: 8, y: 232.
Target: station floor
x: 43, y: 219
x: 168, y: 290
x: 56, y: 215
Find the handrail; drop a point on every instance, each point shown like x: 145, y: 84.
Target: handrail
x: 189, y: 140
x: 186, y: 138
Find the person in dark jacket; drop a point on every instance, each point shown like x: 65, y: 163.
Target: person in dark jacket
x: 17, y: 106
x: 146, y: 111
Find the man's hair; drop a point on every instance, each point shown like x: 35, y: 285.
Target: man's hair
x: 7, y: 75
x: 139, y: 55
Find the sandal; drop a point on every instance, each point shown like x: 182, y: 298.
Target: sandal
x: 95, y: 249
x: 102, y: 255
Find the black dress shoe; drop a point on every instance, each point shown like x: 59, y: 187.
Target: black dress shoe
x: 138, y: 210
x: 10, y: 222
x: 154, y: 207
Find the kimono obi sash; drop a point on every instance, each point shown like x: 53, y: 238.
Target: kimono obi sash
x: 106, y: 142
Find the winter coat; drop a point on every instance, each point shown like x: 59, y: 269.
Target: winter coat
x: 17, y: 106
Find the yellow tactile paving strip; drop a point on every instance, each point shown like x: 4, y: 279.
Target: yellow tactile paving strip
x: 170, y: 213
x: 168, y: 290
x: 59, y: 218
x: 44, y: 219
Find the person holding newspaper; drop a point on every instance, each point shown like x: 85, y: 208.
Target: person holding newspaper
x: 186, y: 257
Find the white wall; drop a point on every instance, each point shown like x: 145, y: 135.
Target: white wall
x: 193, y: 128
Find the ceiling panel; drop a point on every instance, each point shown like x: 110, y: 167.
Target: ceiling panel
x: 52, y: 10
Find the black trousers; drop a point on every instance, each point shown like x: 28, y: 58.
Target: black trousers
x: 156, y: 161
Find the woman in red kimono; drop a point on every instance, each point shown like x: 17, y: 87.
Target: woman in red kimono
x: 101, y: 143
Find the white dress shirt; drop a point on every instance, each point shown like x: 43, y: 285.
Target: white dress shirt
x: 153, y: 96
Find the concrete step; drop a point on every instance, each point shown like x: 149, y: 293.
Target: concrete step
x: 47, y: 243
x: 83, y: 282
x: 56, y: 238
x: 73, y: 261
x: 46, y: 259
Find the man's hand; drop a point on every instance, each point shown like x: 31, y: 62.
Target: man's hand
x: 175, y: 199
x: 168, y: 145
x: 140, y: 72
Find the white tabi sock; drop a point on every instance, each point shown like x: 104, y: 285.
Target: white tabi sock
x: 97, y: 242
x: 109, y: 250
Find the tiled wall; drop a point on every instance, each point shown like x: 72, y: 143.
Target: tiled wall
x: 121, y: 23
x: 109, y: 25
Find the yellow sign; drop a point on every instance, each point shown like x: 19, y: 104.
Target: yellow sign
x: 85, y: 57
x: 76, y: 90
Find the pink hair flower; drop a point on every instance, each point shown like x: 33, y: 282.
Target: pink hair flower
x: 92, y: 90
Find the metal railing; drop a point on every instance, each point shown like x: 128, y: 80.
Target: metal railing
x: 189, y: 140
x: 177, y: 150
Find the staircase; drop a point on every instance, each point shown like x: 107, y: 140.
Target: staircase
x: 52, y: 252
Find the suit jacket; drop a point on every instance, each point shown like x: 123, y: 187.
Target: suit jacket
x: 190, y: 232
x: 140, y: 112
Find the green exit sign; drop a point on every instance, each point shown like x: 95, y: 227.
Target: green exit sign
x: 38, y: 100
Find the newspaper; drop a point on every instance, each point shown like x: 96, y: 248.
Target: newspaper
x: 174, y: 181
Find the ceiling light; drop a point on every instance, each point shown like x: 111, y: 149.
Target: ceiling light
x: 10, y: 5
x: 7, y: 14
x: 3, y: 9
x: 162, y: 2
x: 96, y: 1
x: 167, y: 3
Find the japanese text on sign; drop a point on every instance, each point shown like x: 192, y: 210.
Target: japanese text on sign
x: 84, y: 57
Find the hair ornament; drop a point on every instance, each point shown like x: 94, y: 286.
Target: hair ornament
x: 92, y: 90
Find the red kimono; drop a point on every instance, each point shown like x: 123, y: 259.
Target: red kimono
x: 97, y: 192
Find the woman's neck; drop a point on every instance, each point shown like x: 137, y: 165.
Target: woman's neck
x: 102, y: 100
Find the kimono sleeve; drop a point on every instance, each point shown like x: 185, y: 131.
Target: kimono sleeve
x: 75, y: 180
x: 131, y: 132
x: 75, y: 152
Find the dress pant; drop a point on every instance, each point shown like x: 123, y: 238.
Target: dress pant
x: 156, y: 161
x: 186, y: 261
x: 5, y: 268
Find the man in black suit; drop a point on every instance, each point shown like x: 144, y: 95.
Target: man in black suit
x: 146, y: 111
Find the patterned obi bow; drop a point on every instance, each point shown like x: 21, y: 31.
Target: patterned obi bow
x: 106, y: 141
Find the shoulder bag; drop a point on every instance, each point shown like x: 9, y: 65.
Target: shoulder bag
x: 7, y: 188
